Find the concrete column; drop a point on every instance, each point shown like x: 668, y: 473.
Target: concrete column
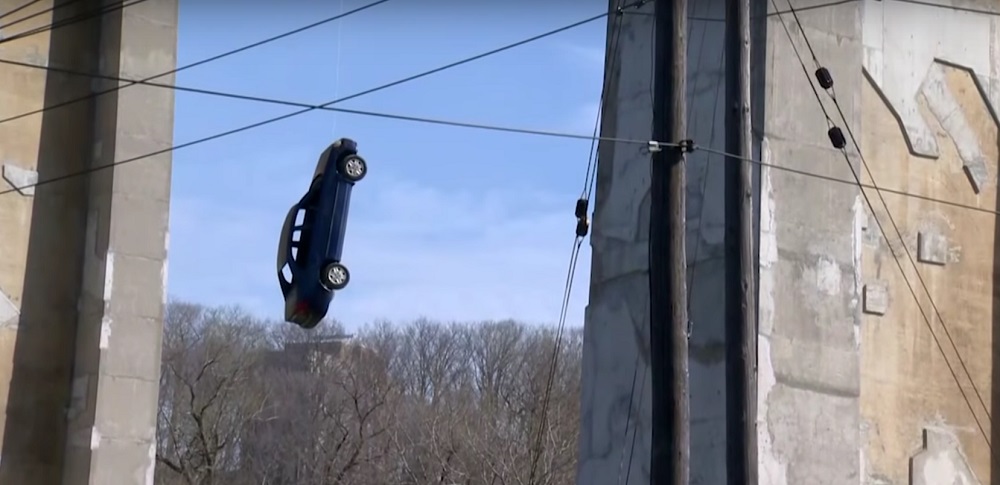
x: 82, y: 259
x: 116, y: 372
x: 42, y: 232
x: 616, y: 345
x: 808, y: 381
x: 921, y: 94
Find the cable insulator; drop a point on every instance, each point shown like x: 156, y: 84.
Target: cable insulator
x: 581, y: 208
x: 824, y: 78
x: 582, y: 227
x: 837, y: 137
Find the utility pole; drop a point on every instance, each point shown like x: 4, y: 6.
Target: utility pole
x: 671, y: 432
x: 741, y: 307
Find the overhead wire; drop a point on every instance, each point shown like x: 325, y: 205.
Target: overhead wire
x: 708, y: 164
x: 697, y: 228
x: 176, y: 70
x: 591, y: 171
x: 635, y: 373
x: 581, y: 212
x: 483, y: 126
x: 635, y: 363
x: 51, y: 9
x: 377, y: 114
x: 149, y: 82
x: 327, y: 106
x: 18, y: 9
x: 899, y: 234
x: 956, y: 8
x: 337, y: 64
x: 489, y: 127
x: 800, y: 172
x: 72, y: 20
x: 847, y: 126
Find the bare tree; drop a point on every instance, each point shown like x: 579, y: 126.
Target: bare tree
x: 246, y: 402
x: 558, y: 453
x: 437, y: 399
x: 329, y: 412
x: 208, y: 391
x: 514, y: 364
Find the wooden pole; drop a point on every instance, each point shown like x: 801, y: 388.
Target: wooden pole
x: 670, y: 454
x: 741, y: 307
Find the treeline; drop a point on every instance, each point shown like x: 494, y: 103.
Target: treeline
x: 245, y: 401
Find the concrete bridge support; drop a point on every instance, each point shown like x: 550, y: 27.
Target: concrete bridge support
x: 83, y: 260
x: 859, y: 381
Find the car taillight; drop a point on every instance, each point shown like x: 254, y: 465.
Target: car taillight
x: 301, y: 308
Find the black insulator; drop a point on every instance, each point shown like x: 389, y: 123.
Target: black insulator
x: 824, y: 77
x: 582, y: 227
x: 581, y: 208
x: 837, y: 137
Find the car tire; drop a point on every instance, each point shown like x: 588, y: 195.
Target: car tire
x: 335, y: 276
x: 353, y: 167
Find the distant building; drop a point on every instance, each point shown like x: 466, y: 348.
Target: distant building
x: 295, y: 360
x: 307, y: 356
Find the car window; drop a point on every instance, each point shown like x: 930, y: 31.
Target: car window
x: 285, y: 238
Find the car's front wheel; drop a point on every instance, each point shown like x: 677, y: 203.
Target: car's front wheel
x: 353, y: 168
x: 335, y: 276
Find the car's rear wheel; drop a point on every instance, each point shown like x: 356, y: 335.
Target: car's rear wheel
x: 353, y: 168
x: 335, y: 276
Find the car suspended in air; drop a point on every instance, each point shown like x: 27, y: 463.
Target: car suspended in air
x: 310, y: 270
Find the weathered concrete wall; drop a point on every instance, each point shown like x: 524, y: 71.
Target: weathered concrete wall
x: 929, y: 98
x: 616, y: 348
x: 808, y: 362
x: 82, y: 261
x: 853, y: 387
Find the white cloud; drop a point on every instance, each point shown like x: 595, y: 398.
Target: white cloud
x: 413, y: 250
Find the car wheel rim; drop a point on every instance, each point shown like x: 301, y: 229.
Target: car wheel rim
x: 337, y: 275
x: 355, y: 167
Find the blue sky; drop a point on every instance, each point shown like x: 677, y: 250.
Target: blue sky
x: 451, y: 223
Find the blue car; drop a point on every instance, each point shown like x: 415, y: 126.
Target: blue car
x: 312, y: 238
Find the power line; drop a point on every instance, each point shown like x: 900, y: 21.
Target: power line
x: 833, y: 96
x: 339, y: 100
x: 582, y: 227
x: 296, y: 104
x: 34, y: 15
x: 461, y: 124
x: 617, y: 30
x: 16, y: 10
x: 828, y: 178
x: 179, y: 69
x: 835, y: 3
x: 827, y: 84
x: 702, y: 18
x: 708, y: 164
x: 101, y: 11
x: 490, y: 127
x: 956, y: 8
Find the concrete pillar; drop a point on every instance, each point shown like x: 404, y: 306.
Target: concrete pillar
x: 616, y: 345
x: 808, y: 376
x: 83, y: 261
x: 116, y: 374
x: 855, y: 386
